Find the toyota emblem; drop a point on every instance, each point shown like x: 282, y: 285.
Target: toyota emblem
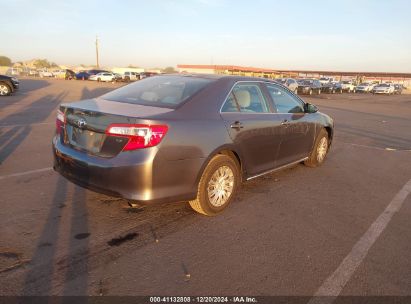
x: 81, y: 123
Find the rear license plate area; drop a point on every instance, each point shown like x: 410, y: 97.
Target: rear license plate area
x: 86, y: 140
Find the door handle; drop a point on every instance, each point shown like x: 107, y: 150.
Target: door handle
x: 237, y: 125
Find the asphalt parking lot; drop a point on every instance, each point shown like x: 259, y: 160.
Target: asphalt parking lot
x: 344, y: 226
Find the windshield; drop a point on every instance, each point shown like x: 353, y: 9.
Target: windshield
x: 159, y: 91
x: 364, y: 84
x: 384, y: 85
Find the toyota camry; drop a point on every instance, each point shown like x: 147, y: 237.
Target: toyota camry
x: 188, y: 138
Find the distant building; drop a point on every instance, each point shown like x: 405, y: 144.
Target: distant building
x: 228, y: 69
x: 402, y: 78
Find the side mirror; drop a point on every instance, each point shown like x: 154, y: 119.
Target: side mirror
x: 310, y: 108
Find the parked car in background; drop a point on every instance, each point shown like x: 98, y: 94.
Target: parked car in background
x: 132, y: 141
x: 95, y: 72
x: 384, y: 88
x: 147, y: 74
x: 324, y: 80
x: 332, y: 87
x: 13, y: 72
x: 69, y: 75
x: 8, y: 85
x: 45, y: 73
x: 82, y: 75
x: 309, y: 86
x: 290, y: 83
x: 348, y: 86
x: 104, y: 76
x: 118, y: 77
x: 59, y: 73
x: 364, y: 87
x: 398, y: 88
x: 33, y: 73
x: 130, y: 76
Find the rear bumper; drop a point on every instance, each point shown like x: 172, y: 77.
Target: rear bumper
x: 140, y: 176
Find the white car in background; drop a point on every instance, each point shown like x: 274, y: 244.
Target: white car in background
x: 325, y: 80
x: 348, y: 86
x: 384, y: 88
x: 104, y: 76
x: 45, y: 73
x: 364, y: 87
x: 130, y: 76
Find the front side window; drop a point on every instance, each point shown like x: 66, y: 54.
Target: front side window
x: 284, y: 101
x: 246, y: 98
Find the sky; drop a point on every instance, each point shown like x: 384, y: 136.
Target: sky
x: 344, y: 35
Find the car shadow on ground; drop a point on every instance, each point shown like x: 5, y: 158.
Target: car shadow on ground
x: 25, y: 88
x: 16, y: 127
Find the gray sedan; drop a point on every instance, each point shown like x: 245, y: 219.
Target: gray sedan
x: 188, y: 138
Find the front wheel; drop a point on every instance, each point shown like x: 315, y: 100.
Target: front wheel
x: 218, y: 185
x: 319, y: 151
x: 4, y: 89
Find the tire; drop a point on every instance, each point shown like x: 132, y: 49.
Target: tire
x: 98, y: 79
x: 319, y: 92
x: 332, y: 91
x: 206, y: 203
x: 315, y: 159
x: 5, y: 89
x: 127, y: 79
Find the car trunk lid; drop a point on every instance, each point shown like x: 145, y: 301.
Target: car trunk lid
x: 86, y: 123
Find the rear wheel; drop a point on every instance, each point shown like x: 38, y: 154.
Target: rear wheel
x: 319, y: 151
x: 4, y: 89
x: 218, y: 185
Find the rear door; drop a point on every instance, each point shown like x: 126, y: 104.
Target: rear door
x: 297, y: 127
x: 252, y: 125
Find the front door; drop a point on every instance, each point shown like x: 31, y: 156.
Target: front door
x: 298, y: 128
x: 252, y: 126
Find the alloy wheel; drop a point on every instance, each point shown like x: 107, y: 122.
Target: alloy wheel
x: 322, y: 149
x: 221, y: 186
x: 4, y: 90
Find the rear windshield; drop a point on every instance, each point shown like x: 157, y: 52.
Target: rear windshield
x: 159, y: 91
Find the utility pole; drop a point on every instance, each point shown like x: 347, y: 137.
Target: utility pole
x: 98, y: 65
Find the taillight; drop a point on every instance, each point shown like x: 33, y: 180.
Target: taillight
x: 60, y: 121
x: 140, y: 136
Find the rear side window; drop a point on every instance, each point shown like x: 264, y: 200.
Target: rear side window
x: 246, y: 98
x: 159, y: 91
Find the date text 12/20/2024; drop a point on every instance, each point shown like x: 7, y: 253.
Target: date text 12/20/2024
x: 240, y: 299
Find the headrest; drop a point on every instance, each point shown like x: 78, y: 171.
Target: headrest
x: 149, y: 96
x: 243, y: 98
